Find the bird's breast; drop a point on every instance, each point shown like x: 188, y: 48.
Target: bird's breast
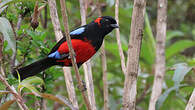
x: 84, y: 50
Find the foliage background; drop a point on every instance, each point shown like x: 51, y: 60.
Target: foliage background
x: 180, y: 48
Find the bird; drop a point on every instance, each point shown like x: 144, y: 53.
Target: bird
x: 86, y: 41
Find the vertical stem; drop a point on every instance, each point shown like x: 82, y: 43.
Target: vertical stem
x: 191, y: 102
x: 89, y: 84
x: 104, y: 69
x: 70, y: 86
x: 87, y: 65
x: 137, y: 25
x: 59, y: 35
x: 55, y: 19
x: 72, y: 54
x: 45, y: 18
x: 123, y: 66
x: 160, y: 53
x: 1, y: 48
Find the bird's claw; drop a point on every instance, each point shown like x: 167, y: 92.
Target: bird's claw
x: 82, y: 87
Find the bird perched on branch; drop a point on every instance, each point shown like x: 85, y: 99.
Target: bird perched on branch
x: 86, y: 40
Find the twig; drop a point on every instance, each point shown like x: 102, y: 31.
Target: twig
x: 89, y: 84
x: 123, y: 66
x: 191, y: 102
x: 70, y: 87
x: 45, y: 19
x: 19, y: 21
x: 160, y: 53
x: 104, y: 69
x: 55, y: 19
x: 59, y: 35
x: 1, y: 48
x: 13, y: 91
x: 87, y: 65
x: 13, y: 59
x: 137, y: 25
x: 140, y: 99
x: 72, y: 54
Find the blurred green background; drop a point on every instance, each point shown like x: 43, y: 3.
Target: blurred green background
x: 180, y: 51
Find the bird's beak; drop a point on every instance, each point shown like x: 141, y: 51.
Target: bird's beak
x: 114, y: 25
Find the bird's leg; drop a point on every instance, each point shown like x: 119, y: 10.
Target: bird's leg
x: 82, y: 87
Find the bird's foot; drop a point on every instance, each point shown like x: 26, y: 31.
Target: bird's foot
x: 82, y: 87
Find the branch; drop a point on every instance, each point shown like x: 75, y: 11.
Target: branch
x: 70, y: 86
x: 191, y: 102
x: 66, y: 70
x: 19, y: 21
x: 87, y: 65
x: 72, y: 54
x: 160, y: 53
x: 137, y: 25
x: 104, y: 69
x: 13, y: 91
x: 123, y: 66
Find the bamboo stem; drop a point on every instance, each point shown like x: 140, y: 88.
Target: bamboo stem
x: 137, y: 25
x: 160, y: 53
x: 123, y: 66
x: 87, y: 65
x: 72, y: 53
x: 104, y: 69
x: 66, y: 70
x: 191, y: 102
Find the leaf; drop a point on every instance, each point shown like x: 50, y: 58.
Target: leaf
x: 172, y: 34
x: 178, y: 46
x: 164, y: 96
x: 6, y: 30
x: 8, y: 2
x: 58, y: 99
x: 149, y: 33
x: 4, y: 92
x: 7, y: 104
x: 3, y: 4
x: 148, y: 45
x: 28, y: 83
x: 181, y: 70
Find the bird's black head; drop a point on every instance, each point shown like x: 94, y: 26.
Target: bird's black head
x: 106, y: 24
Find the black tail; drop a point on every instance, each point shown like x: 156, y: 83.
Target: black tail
x: 34, y: 68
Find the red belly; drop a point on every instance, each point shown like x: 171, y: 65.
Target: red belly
x: 83, y: 50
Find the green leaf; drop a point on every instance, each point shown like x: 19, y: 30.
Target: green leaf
x: 7, y: 104
x: 177, y: 47
x: 164, y: 96
x: 172, y: 34
x: 148, y: 45
x: 6, y: 30
x: 3, y: 3
x: 58, y: 99
x: 149, y: 33
x: 181, y: 70
x: 8, y: 2
x: 28, y: 83
x: 113, y: 48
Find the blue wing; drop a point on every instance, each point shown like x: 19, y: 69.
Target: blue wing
x: 78, y: 31
x: 55, y: 55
